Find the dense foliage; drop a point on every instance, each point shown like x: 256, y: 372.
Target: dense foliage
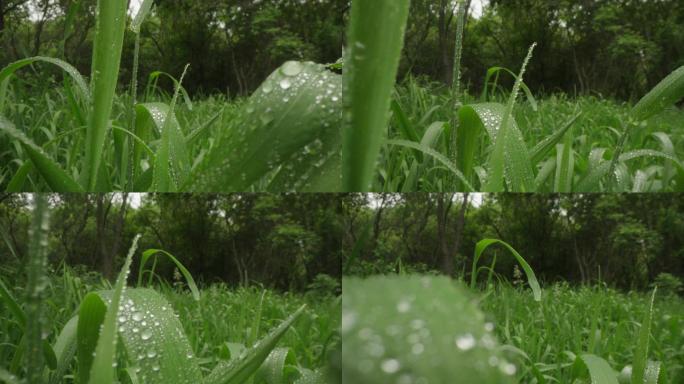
x: 281, y: 241
x: 627, y: 241
x: 618, y: 48
x: 230, y: 45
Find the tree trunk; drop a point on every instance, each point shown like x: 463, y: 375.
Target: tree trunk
x: 460, y: 223
x: 444, y: 202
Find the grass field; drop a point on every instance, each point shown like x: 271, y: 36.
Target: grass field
x: 592, y: 129
x: 219, y: 327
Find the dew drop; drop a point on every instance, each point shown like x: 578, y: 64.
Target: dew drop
x: 146, y: 334
x: 465, y: 342
x: 390, y: 365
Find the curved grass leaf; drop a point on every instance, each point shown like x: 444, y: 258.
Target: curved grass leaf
x: 274, y: 369
x: 65, y: 349
x: 663, y: 95
x: 55, y: 177
x: 517, y: 168
x: 68, y: 68
x: 290, y: 126
x: 184, y: 271
x: 598, y: 369
x: 401, y: 328
x: 153, y: 338
x: 90, y: 317
x: 438, y: 156
x: 539, y: 152
x: 376, y: 34
x: 237, y: 371
x: 140, y: 17
x: 495, y: 71
x: 591, y: 181
x: 482, y: 245
x: 16, y: 184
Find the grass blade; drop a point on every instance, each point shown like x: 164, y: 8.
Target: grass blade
x: 36, y: 289
x: 599, y: 370
x: 237, y: 371
x: 482, y: 245
x: 68, y: 68
x: 108, y: 43
x: 540, y: 150
x: 65, y: 349
x: 140, y: 17
x: 505, y: 145
x: 663, y: 95
x: 376, y: 35
x: 56, y: 178
x: 102, y: 370
x: 641, y: 353
x: 184, y: 271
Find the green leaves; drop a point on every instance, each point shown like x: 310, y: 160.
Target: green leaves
x: 376, y: 34
x: 287, y: 137
x: 598, y: 369
x: 641, y: 353
x: 663, y: 95
x: 531, y: 278
x: 402, y: 328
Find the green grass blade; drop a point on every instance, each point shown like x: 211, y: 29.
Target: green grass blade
x: 482, y: 245
x: 468, y: 136
x: 425, y: 326
x: 56, y: 178
x: 108, y: 43
x: 169, y: 172
x: 599, y: 370
x: 140, y: 17
x: 517, y: 169
x: 565, y: 166
x: 641, y: 352
x: 376, y: 34
x: 36, y: 289
x: 16, y: 184
x: 239, y: 370
x: 539, y: 152
x: 65, y: 349
x: 288, y: 136
x: 102, y: 370
x: 274, y: 369
x: 654, y: 374
x: 437, y: 156
x: 68, y: 68
x: 153, y: 338
x: 495, y: 71
x: 11, y: 302
x: 184, y: 271
x: 90, y: 317
x: 663, y: 95
x: 507, y: 149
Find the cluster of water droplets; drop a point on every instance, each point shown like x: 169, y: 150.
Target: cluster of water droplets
x: 410, y: 332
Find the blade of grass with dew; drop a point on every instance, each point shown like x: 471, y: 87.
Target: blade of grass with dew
x: 56, y: 178
x: 591, y: 182
x: 288, y: 136
x: 68, y: 68
x: 166, y: 177
x: 239, y: 370
x: 90, y: 317
x: 65, y: 350
x: 641, y: 352
x: 506, y: 151
x: 666, y: 93
x: 102, y: 369
x: 436, y: 155
x: 495, y: 70
x: 184, y: 271
x: 107, y: 46
x: 275, y: 367
x: 376, y: 34
x: 654, y: 373
x: 403, y: 305
x: 153, y: 338
x: 517, y: 169
x: 598, y: 369
x: 482, y: 245
x: 565, y: 166
x: 36, y: 289
x: 539, y: 152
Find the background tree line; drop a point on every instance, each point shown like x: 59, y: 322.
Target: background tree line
x: 624, y: 240
x: 231, y: 45
x: 617, y: 48
x: 282, y: 241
